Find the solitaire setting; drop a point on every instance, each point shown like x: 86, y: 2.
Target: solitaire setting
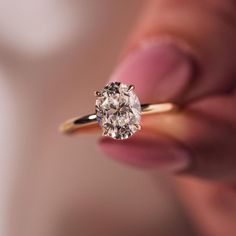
x: 118, y: 110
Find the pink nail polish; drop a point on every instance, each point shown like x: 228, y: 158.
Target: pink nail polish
x: 157, y: 153
x: 160, y: 72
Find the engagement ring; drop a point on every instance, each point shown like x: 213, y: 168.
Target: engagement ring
x: 117, y: 111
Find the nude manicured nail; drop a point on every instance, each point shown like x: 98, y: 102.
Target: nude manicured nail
x: 158, y: 153
x: 158, y: 71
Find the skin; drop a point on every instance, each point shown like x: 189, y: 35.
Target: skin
x: 34, y: 66
x: 206, y: 128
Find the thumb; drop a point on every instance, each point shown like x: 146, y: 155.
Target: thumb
x: 180, y: 51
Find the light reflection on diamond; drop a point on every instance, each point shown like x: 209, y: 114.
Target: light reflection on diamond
x: 118, y: 111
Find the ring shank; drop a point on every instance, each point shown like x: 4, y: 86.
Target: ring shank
x: 85, y: 124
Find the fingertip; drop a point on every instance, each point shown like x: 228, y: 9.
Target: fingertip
x: 160, y: 71
x: 160, y: 153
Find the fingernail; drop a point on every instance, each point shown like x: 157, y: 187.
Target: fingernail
x: 159, y: 153
x: 159, y: 71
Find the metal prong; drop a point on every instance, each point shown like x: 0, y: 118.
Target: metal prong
x: 104, y: 133
x: 139, y: 127
x: 131, y: 87
x: 97, y: 94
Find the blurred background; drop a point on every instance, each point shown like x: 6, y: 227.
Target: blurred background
x: 53, y: 55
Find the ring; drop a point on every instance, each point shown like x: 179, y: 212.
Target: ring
x: 117, y: 111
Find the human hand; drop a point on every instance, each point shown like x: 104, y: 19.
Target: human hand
x: 183, y: 51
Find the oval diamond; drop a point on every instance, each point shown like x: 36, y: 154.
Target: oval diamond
x: 118, y: 110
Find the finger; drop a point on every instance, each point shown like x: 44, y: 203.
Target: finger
x: 200, y: 140
x: 181, y: 51
x: 207, y: 129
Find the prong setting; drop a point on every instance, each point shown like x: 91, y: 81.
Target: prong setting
x: 131, y: 87
x: 104, y: 133
x: 97, y: 94
x: 118, y: 110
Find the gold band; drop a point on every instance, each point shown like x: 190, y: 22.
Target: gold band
x: 85, y: 124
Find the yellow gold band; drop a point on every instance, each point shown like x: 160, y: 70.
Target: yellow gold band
x: 88, y: 123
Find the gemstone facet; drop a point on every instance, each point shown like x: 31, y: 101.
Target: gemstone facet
x: 118, y: 110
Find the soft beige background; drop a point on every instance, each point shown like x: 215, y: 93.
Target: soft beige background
x: 53, y: 55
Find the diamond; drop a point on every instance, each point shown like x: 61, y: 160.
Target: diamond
x: 118, y: 110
